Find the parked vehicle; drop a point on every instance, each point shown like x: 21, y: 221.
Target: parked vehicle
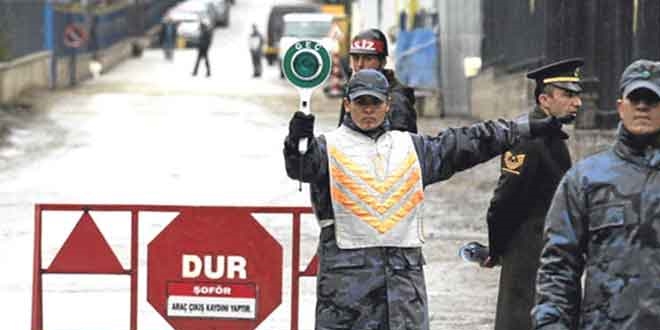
x: 187, y: 16
x: 308, y: 26
x: 220, y: 10
x: 224, y: 10
x: 276, y: 25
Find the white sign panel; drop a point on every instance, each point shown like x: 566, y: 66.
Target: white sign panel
x: 204, y: 300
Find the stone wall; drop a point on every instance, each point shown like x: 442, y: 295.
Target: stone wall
x: 108, y: 58
x: 505, y: 95
x: 23, y: 73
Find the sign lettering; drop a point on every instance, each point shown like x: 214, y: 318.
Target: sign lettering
x: 224, y: 300
x: 231, y: 266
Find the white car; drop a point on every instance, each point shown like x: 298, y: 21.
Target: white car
x: 309, y: 26
x: 187, y: 17
x: 220, y: 10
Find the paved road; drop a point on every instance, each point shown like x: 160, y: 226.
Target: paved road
x: 147, y: 132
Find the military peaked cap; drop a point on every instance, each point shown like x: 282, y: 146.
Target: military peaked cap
x: 564, y: 74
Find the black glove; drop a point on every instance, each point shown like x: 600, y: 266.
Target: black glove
x: 301, y: 126
x: 548, y: 126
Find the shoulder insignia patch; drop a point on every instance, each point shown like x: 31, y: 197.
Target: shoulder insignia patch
x: 512, y: 163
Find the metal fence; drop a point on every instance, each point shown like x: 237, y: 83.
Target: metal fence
x: 108, y: 24
x: 21, y: 28
x: 609, y: 34
x: 513, y: 31
x: 30, y: 26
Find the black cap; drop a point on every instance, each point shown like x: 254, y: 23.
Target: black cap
x: 640, y: 74
x: 564, y: 74
x: 368, y: 82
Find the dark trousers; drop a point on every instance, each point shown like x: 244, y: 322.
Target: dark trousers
x: 202, y: 54
x: 520, y: 263
x: 256, y: 64
x: 376, y: 288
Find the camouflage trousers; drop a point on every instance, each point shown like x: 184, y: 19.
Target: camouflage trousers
x: 370, y: 289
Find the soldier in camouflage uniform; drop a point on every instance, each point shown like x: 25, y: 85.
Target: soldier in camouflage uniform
x: 604, y: 225
x: 367, y: 189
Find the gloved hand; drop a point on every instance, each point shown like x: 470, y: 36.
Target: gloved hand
x: 549, y: 126
x: 301, y: 126
x: 490, y: 262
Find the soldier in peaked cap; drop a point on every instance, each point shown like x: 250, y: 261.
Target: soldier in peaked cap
x: 530, y: 173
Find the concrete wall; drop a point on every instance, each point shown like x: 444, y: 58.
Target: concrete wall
x: 108, y: 58
x: 30, y: 71
x: 33, y: 71
x: 584, y: 143
x: 503, y: 95
x: 460, y: 37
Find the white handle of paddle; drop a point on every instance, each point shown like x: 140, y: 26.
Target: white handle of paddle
x: 305, y: 96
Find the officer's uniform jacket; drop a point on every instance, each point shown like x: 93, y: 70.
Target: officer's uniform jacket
x: 402, y: 115
x: 603, y: 222
x: 529, y: 176
x: 382, y: 286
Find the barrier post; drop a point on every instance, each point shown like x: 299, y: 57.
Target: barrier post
x: 295, y: 270
x: 134, y: 268
x: 37, y: 294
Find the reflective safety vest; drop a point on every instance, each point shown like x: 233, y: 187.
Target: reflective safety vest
x: 376, y: 189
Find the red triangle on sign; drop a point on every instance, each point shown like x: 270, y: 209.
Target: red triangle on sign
x: 86, y: 251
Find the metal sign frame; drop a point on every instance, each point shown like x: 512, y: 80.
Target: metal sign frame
x: 86, y: 235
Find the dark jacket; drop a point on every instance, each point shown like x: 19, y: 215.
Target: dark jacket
x: 168, y: 34
x: 453, y: 150
x: 205, y: 37
x: 529, y: 176
x: 603, y: 222
x: 402, y: 115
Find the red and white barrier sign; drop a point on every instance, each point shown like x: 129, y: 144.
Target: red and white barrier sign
x: 210, y: 268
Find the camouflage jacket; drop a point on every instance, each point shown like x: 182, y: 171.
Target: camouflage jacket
x: 603, y: 222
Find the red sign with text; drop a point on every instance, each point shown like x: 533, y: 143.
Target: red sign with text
x: 214, y: 268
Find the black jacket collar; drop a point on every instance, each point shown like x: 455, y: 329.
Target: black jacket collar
x: 640, y: 149
x: 372, y: 133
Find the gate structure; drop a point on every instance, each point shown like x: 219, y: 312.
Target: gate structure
x: 86, y: 251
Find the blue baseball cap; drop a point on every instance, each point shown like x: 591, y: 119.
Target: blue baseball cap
x: 368, y: 82
x: 641, y: 74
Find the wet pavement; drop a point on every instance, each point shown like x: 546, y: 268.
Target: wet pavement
x: 147, y: 132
